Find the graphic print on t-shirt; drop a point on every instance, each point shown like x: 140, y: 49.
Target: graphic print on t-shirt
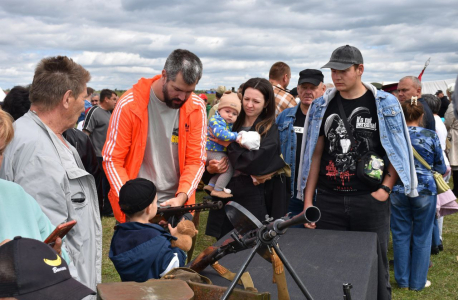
x: 174, y: 138
x: 339, y: 158
x: 345, y: 157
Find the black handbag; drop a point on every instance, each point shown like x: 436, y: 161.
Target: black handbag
x: 370, y: 166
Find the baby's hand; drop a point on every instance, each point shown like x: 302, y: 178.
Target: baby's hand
x: 239, y: 139
x: 173, y: 231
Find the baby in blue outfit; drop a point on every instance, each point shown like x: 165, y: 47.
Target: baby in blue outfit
x: 220, y: 127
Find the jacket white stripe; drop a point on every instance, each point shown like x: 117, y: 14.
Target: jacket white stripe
x: 114, y: 134
x: 111, y: 143
x: 203, y: 141
x: 117, y: 182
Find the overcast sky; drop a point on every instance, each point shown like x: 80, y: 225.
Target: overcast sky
x: 120, y: 41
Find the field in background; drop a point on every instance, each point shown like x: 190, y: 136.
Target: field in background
x: 443, y: 275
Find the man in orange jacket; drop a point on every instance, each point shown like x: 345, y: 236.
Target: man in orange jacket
x: 158, y: 132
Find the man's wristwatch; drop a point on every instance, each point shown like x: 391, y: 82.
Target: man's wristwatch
x: 385, y: 188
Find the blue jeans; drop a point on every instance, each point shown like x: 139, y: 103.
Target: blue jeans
x: 436, y: 241
x: 412, y: 218
x: 295, y: 207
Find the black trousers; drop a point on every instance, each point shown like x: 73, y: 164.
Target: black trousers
x: 277, y: 195
x: 105, y: 189
x: 455, y: 182
x: 244, y: 193
x: 359, y: 213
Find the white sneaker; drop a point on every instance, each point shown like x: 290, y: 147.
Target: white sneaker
x: 428, y: 283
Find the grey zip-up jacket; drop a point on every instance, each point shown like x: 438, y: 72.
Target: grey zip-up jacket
x: 55, y: 177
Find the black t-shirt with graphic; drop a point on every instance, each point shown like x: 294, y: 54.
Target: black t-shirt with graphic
x: 338, y: 161
x: 299, y: 130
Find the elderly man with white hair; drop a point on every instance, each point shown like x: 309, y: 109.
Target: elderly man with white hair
x: 410, y: 86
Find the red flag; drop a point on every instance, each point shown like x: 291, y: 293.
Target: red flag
x: 422, y: 71
x: 421, y: 74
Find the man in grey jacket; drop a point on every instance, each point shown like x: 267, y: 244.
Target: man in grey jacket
x: 50, y: 169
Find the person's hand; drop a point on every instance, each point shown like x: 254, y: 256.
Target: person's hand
x: 4, y: 242
x: 179, y: 200
x: 239, y: 139
x: 214, y: 139
x: 163, y: 223
x: 58, y: 246
x: 258, y: 179
x: 380, y: 195
x: 218, y: 166
x: 309, y: 225
x: 173, y: 231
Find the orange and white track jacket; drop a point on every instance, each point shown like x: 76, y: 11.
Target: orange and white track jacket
x: 126, y: 141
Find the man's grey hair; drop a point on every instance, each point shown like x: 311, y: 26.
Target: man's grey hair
x: 433, y: 102
x: 94, y: 95
x: 185, y: 62
x: 416, y: 82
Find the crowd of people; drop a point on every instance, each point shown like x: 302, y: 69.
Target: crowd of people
x: 363, y: 156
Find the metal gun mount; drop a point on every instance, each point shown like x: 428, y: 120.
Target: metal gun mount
x: 249, y: 232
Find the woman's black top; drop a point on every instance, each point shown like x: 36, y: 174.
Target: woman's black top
x: 258, y: 162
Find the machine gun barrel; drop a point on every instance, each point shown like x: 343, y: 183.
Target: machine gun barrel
x: 311, y: 215
x: 235, y: 244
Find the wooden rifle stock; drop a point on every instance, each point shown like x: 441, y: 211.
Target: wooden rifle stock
x: 210, y: 255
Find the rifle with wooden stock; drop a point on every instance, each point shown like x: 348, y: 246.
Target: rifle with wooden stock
x: 173, y: 214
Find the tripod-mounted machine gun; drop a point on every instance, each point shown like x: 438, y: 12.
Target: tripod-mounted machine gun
x: 262, y: 238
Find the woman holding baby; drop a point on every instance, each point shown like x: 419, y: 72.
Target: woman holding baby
x: 251, y: 167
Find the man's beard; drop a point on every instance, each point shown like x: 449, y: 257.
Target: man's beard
x: 169, y: 102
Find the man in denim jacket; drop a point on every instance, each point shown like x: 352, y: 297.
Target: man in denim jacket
x: 290, y: 124
x: 329, y: 159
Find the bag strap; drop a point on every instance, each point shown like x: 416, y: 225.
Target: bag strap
x: 345, y: 121
x: 420, y: 159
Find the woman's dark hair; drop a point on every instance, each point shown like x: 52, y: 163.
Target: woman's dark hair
x: 267, y: 115
x: 412, y: 112
x: 17, y: 101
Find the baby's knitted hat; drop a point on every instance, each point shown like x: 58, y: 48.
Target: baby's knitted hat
x: 231, y: 100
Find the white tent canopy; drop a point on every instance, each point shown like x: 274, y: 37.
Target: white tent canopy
x: 2, y: 95
x: 430, y: 87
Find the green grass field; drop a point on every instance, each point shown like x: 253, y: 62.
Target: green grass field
x: 443, y: 275
x: 211, y: 98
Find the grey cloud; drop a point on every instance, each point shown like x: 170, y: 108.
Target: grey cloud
x: 121, y: 41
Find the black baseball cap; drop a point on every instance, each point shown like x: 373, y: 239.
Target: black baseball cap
x: 136, y: 194
x: 31, y: 270
x: 344, y: 57
x: 312, y: 76
x: 439, y: 92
